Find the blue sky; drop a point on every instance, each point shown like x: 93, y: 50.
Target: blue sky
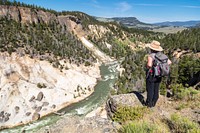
x: 148, y: 11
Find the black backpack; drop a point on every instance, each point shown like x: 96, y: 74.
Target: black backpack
x: 160, y: 66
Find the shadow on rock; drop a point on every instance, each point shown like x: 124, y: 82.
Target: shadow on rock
x: 140, y: 97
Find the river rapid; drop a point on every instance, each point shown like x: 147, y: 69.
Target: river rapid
x: 109, y: 75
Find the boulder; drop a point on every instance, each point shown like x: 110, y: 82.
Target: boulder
x: 35, y: 116
x: 115, y: 101
x: 40, y: 96
x: 45, y: 104
x: 4, y: 116
x: 32, y: 98
x: 38, y: 109
x: 17, y: 108
x: 28, y: 113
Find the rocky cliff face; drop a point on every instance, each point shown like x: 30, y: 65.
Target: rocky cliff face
x: 26, y: 15
x: 30, y: 88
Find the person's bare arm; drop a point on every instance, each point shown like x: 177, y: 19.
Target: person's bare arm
x: 149, y: 62
x: 169, y: 62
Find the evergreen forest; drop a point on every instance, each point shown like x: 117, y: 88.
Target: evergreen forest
x: 53, y: 41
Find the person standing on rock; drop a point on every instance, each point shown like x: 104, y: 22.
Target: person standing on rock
x: 152, y: 81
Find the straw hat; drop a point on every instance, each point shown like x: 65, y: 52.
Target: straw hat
x: 155, y: 45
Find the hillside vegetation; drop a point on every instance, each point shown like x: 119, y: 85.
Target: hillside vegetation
x: 54, y: 40
x: 188, y: 39
x: 46, y: 41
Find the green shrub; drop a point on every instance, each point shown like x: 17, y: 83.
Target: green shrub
x: 41, y: 85
x: 138, y: 127
x: 127, y: 113
x: 183, y: 93
x: 163, y: 89
x: 182, y: 106
x: 113, y: 92
x: 87, y: 63
x: 179, y: 124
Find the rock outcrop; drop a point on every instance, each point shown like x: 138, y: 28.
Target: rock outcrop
x: 77, y: 124
x: 26, y: 15
x: 115, y: 101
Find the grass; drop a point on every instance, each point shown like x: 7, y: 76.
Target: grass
x: 169, y: 29
x: 179, y: 124
x: 126, y: 113
x: 135, y: 127
x: 143, y: 120
x: 183, y: 93
x: 143, y: 127
x: 181, y: 106
x: 186, y: 97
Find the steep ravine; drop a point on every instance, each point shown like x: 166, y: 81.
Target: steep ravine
x: 31, y: 88
x: 94, y: 102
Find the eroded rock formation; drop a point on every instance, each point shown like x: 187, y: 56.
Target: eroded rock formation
x: 30, y: 88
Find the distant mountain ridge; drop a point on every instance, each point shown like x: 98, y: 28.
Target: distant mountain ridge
x: 131, y: 22
x: 191, y: 23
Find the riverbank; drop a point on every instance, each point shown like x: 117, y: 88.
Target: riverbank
x: 31, y: 89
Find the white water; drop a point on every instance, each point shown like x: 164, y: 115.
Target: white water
x: 109, y: 74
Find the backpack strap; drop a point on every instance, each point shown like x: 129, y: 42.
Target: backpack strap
x: 152, y: 55
x: 148, y: 73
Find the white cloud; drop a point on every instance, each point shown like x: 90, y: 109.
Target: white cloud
x: 123, y: 6
x: 191, y: 6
